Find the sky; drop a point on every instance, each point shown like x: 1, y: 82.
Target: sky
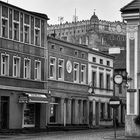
x: 105, y: 9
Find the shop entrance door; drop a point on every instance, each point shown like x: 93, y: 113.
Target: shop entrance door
x: 37, y: 115
x: 4, y: 112
x: 97, y: 113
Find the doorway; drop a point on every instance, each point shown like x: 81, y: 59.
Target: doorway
x: 4, y: 112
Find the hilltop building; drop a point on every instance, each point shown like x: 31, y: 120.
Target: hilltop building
x: 95, y: 33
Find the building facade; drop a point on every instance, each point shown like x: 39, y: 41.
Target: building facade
x: 72, y: 69
x: 100, y: 73
x: 67, y: 83
x: 131, y: 14
x: 22, y: 65
x: 95, y: 33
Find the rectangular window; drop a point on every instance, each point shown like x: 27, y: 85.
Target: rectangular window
x: 61, y: 69
x: 16, y: 31
x: 37, y: 37
x: 16, y: 66
x: 107, y: 81
x: 83, y: 73
x: 93, y: 59
x: 52, y: 68
x: 101, y: 61
x: 26, y: 34
x: 37, y: 73
x: 101, y: 80
x: 108, y: 63
x: 76, y: 72
x: 4, y: 64
x: 4, y: 28
x: 93, y: 78
x: 27, y: 68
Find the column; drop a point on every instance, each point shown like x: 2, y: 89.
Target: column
x: 94, y: 112
x: 106, y: 111
x: 62, y: 111
x: 81, y: 112
x: 87, y: 112
x: 99, y: 108
x: 68, y: 111
x: 76, y: 116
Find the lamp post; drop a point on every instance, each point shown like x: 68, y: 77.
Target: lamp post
x: 91, y: 92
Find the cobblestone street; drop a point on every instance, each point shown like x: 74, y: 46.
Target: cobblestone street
x: 99, y: 134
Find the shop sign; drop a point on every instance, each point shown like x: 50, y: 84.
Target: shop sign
x: 23, y: 99
x: 131, y: 90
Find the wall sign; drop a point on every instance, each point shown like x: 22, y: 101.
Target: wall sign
x: 69, y: 66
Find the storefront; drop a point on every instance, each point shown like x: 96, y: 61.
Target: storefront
x: 32, y: 103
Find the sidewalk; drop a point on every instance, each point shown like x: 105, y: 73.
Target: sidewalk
x: 122, y: 138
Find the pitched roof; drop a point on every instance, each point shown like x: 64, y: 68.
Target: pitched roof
x: 133, y: 5
x: 120, y: 60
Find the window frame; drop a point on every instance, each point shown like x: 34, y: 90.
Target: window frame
x: 54, y: 73
x: 61, y: 66
x: 101, y: 81
x: 26, y: 33
x: 83, y: 72
x: 17, y: 67
x: 4, y: 28
x: 37, y: 70
x: 6, y: 71
x: 17, y: 30
x: 28, y: 69
x: 77, y: 71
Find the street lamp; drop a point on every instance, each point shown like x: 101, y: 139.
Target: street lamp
x: 91, y: 92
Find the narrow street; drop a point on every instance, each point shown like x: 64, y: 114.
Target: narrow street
x: 98, y: 134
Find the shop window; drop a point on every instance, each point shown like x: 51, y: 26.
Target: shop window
x: 53, y: 68
x: 94, y: 79
x: 16, y: 66
x: 26, y: 34
x: 4, y: 64
x: 37, y: 37
x: 101, y: 83
x: 76, y: 72
x: 61, y: 69
x: 16, y: 31
x: 83, y: 73
x: 27, y: 68
x: 4, y: 28
x: 37, y: 73
x: 29, y: 115
x: 107, y: 81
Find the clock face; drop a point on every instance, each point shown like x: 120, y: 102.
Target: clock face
x: 118, y: 28
x: 69, y: 66
x: 118, y: 79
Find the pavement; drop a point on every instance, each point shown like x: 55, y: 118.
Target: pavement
x: 90, y: 134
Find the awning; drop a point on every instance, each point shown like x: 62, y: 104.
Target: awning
x: 33, y: 98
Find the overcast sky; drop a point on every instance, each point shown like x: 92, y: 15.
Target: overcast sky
x: 105, y: 9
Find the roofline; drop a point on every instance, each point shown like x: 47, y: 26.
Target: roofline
x: 42, y: 15
x: 79, y: 45
x: 101, y: 53
x: 122, y: 9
